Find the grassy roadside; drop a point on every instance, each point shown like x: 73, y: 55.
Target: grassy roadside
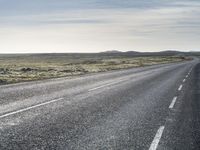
x: 19, y: 68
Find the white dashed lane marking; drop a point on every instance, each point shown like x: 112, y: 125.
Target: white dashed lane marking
x: 159, y: 133
x: 180, y: 87
x: 173, y: 103
x: 157, y: 138
x: 105, y: 85
x: 29, y: 108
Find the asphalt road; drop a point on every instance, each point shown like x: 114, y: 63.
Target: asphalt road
x: 148, y: 108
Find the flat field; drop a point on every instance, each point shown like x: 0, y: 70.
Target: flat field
x: 28, y: 67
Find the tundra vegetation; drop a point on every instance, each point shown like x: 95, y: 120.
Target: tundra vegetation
x: 29, y: 67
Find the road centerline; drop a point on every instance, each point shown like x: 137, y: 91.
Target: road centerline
x: 113, y: 83
x: 157, y: 138
x: 108, y: 84
x: 173, y: 103
x: 29, y: 108
x: 180, y: 87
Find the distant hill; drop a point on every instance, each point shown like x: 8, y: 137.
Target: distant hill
x: 106, y: 54
x: 112, y: 51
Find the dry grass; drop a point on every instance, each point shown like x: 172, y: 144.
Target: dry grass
x: 19, y: 68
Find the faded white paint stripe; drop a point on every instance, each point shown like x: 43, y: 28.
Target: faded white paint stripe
x: 157, y: 138
x: 99, y: 87
x: 29, y: 108
x: 180, y: 87
x: 173, y: 103
x: 184, y: 80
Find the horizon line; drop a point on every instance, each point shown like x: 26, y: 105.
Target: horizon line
x: 111, y: 51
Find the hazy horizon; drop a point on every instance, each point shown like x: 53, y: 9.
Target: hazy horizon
x: 89, y: 26
x: 94, y: 52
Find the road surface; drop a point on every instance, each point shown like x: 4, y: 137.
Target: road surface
x: 155, y: 107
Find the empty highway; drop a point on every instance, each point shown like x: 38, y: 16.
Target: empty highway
x: 154, y: 107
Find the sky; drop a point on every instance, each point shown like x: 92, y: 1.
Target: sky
x: 46, y: 26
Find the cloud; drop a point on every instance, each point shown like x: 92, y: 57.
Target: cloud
x: 94, y: 25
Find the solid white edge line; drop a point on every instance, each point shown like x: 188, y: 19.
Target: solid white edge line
x: 157, y: 138
x: 173, y: 103
x: 28, y: 108
x: 180, y: 87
